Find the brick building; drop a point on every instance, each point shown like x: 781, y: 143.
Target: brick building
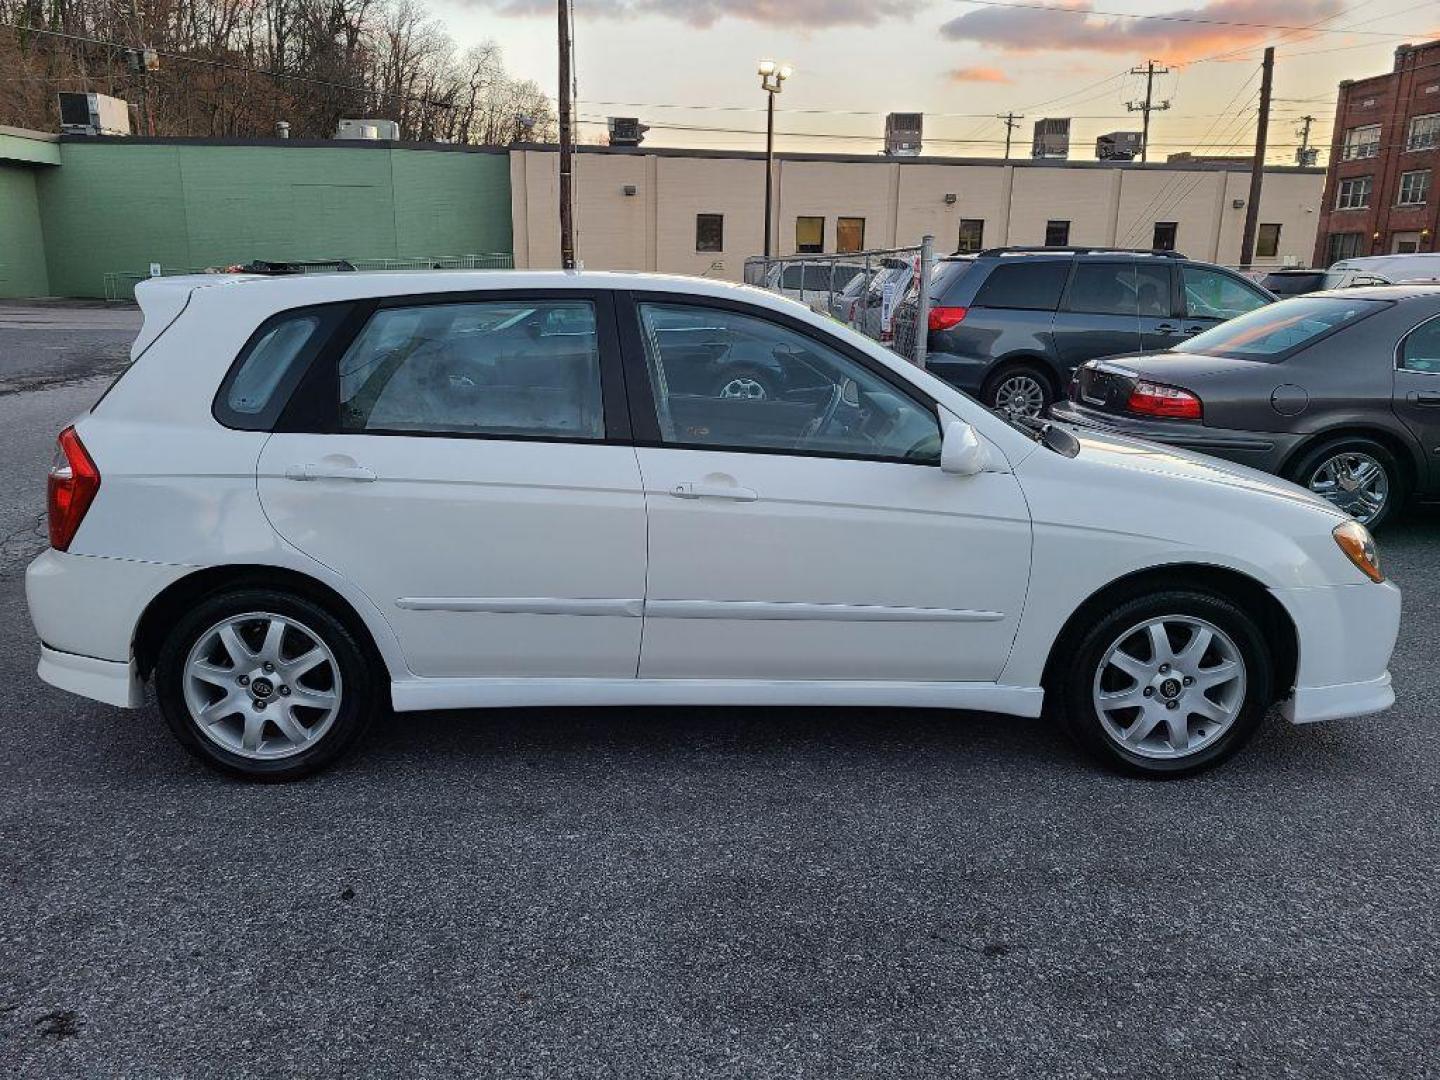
x: 1380, y: 190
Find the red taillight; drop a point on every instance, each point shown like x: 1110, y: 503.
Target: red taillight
x: 74, y: 480
x: 1155, y: 399
x: 943, y: 318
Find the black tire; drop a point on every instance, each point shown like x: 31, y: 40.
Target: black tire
x: 360, y: 689
x: 1301, y: 470
x: 998, y: 380
x: 763, y: 379
x: 1073, y: 681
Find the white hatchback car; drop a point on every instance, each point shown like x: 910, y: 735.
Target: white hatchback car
x: 310, y: 498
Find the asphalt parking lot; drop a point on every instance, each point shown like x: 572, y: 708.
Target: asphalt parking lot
x: 700, y: 893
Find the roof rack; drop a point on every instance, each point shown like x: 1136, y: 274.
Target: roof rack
x: 263, y: 266
x: 1020, y: 250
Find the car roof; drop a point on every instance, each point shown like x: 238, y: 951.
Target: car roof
x: 1383, y: 292
x: 283, y: 291
x: 1425, y: 259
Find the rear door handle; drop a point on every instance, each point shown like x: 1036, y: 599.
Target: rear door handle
x: 357, y: 473
x: 714, y: 491
x: 1166, y: 328
x: 1428, y: 398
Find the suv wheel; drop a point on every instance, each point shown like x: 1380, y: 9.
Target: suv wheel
x: 1019, y: 391
x: 1357, y: 475
x: 264, y: 684
x: 1168, y: 684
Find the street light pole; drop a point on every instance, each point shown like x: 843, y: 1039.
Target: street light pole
x: 772, y: 77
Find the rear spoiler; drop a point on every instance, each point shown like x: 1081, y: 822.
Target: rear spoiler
x: 162, y: 299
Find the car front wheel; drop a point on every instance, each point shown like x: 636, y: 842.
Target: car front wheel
x: 264, y: 684
x: 1167, y: 684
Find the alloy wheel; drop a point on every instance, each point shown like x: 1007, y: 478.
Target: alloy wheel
x: 1169, y: 687
x: 1020, y: 395
x: 1354, y: 482
x: 262, y: 686
x: 744, y: 387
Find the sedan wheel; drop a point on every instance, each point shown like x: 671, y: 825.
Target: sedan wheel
x: 1353, y: 481
x: 1020, y: 395
x: 1169, y: 687
x: 262, y: 686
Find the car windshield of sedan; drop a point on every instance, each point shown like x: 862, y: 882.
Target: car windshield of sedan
x: 1272, y: 332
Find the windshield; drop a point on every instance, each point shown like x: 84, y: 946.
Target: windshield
x: 1269, y: 332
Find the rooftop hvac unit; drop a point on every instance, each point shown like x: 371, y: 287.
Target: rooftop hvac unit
x: 1118, y: 146
x: 626, y: 130
x: 1052, y: 138
x: 386, y: 130
x: 93, y: 114
x: 902, y: 133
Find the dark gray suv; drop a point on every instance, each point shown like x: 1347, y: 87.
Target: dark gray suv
x: 1010, y: 325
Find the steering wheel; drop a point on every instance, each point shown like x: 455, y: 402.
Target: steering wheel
x: 821, y: 422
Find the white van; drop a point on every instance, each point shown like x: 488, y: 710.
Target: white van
x: 1382, y: 270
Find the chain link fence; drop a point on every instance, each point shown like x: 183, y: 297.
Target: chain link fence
x: 874, y: 292
x: 120, y: 284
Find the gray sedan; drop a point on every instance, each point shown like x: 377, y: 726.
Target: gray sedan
x: 1338, y: 391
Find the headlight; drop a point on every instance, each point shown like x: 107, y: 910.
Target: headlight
x: 1355, y: 541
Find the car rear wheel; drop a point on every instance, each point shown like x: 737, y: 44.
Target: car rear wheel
x: 1168, y: 684
x: 1020, y: 391
x: 264, y: 684
x: 745, y: 383
x: 1355, y: 474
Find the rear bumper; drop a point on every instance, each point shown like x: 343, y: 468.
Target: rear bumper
x: 1347, y: 633
x: 1263, y: 450
x: 111, y: 681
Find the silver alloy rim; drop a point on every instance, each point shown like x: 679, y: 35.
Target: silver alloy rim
x: 1354, y: 482
x: 744, y: 387
x: 262, y: 686
x: 1169, y: 687
x: 1020, y: 395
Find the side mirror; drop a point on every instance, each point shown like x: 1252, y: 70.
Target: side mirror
x: 961, y: 451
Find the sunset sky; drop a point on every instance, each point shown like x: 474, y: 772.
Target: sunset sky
x: 689, y: 64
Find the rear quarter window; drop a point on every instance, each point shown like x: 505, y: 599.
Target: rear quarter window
x: 271, y: 365
x: 1034, y: 285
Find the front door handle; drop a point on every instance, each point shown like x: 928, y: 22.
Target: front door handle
x: 1428, y: 398
x: 357, y: 473
x: 714, y: 491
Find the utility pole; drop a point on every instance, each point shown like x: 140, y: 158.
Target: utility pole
x: 567, y: 222
x: 1257, y: 167
x: 772, y: 81
x: 1149, y: 105
x: 1011, y: 122
x: 1307, y: 154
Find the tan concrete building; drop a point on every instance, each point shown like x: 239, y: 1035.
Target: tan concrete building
x: 701, y: 211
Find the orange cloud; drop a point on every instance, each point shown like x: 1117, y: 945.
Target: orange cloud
x: 1175, y: 35
x: 978, y: 74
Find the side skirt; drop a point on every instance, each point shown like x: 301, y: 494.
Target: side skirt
x: 412, y: 695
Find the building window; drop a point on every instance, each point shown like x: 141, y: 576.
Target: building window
x: 1163, y: 238
x: 1342, y: 246
x: 849, y: 234
x: 1361, y: 142
x: 809, y: 235
x: 1267, y: 241
x: 972, y: 236
x: 1414, y: 188
x: 1354, y: 194
x: 1423, y: 133
x: 1057, y: 233
x: 709, y: 232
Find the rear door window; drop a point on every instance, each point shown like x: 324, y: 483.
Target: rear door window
x: 502, y: 368
x: 1031, y: 285
x: 1103, y: 288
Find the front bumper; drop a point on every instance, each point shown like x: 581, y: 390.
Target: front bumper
x: 1347, y: 633
x: 1263, y: 450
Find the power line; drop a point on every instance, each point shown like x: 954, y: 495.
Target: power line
x: 1180, y: 18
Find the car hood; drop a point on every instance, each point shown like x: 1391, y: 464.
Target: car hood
x: 1136, y: 455
x: 1177, y: 367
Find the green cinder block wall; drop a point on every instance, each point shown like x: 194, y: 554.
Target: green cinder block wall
x: 120, y: 206
x: 22, y: 242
